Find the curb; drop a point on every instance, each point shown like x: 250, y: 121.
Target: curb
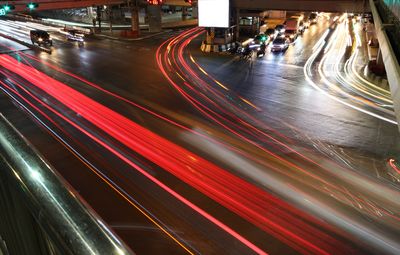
x: 376, y: 79
x: 217, y: 47
x: 35, y: 47
x: 130, y: 39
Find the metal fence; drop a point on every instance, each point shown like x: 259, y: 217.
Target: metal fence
x: 394, y: 6
x: 389, y: 11
x: 39, y: 212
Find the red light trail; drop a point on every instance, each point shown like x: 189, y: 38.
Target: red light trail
x: 246, y: 200
x: 270, y: 214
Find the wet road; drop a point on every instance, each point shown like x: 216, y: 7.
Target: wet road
x: 184, y: 197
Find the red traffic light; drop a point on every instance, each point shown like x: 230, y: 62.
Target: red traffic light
x: 155, y: 2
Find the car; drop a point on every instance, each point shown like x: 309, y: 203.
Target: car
x: 280, y: 44
x: 259, y: 39
x: 306, y: 23
x: 313, y: 18
x: 280, y: 28
x: 291, y: 34
x: 302, y: 27
x: 40, y: 37
x: 75, y: 35
x: 270, y: 32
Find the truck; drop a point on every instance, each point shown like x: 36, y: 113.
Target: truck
x: 272, y: 19
x: 271, y: 23
x: 295, y: 23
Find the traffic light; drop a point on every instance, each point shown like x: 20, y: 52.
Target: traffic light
x: 32, y: 6
x: 8, y: 7
x: 154, y: 2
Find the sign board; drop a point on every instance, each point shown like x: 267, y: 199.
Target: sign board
x: 2, y: 12
x: 213, y: 13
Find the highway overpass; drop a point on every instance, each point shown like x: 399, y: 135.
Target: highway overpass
x: 304, y: 5
x: 290, y: 5
x: 387, y: 26
x: 20, y: 6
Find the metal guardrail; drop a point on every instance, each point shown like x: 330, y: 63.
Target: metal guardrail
x: 394, y: 6
x: 391, y: 19
x: 389, y: 46
x: 70, y: 226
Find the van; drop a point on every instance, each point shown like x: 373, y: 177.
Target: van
x: 40, y: 37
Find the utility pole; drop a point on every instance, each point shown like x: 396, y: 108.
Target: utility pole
x: 110, y: 16
x: 99, y: 17
x: 135, y: 17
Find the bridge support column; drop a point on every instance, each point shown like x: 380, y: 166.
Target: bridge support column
x: 195, y: 11
x: 379, y: 58
x: 237, y: 23
x: 185, y: 13
x: 98, y: 17
x: 154, y: 15
x: 135, y: 20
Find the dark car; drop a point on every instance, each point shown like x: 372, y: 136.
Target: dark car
x: 280, y: 28
x: 291, y: 34
x: 259, y: 40
x: 40, y: 37
x: 270, y: 32
x: 280, y: 44
x: 313, y: 18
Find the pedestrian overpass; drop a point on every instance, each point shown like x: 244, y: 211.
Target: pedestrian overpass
x: 303, y: 5
x: 21, y: 6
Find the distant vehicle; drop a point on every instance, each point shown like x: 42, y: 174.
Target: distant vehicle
x: 291, y: 34
x: 260, y: 40
x: 246, y: 53
x: 280, y: 44
x: 306, y: 23
x: 295, y: 23
x: 273, y: 22
x: 261, y: 50
x: 75, y: 35
x: 280, y: 28
x: 40, y: 37
x: 313, y: 18
x: 270, y: 32
x: 280, y: 35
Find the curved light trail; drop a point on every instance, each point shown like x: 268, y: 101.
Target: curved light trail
x: 281, y: 220
x: 243, y: 198
x: 334, y: 51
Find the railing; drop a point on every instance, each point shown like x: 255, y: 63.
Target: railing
x: 394, y: 6
x: 39, y: 212
x: 389, y: 11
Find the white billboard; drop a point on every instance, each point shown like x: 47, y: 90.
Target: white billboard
x: 213, y: 13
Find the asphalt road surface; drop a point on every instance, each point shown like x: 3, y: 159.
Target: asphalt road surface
x: 184, y: 152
